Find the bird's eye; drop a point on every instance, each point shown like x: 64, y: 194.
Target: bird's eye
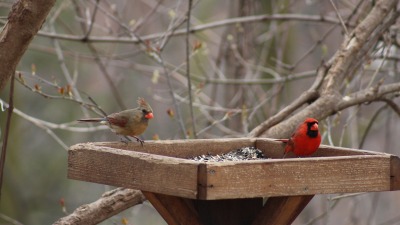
x: 144, y: 111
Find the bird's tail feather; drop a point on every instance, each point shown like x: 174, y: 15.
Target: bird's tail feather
x: 92, y: 120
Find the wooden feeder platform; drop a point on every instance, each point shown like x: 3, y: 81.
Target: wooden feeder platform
x: 189, y: 192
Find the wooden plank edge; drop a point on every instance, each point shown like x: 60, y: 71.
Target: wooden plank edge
x: 324, y: 150
x: 77, y: 150
x: 394, y: 173
x: 205, y: 190
x: 306, y: 159
x: 183, y: 148
x: 93, y: 146
x: 348, y: 151
x: 182, y: 141
x: 276, y: 147
x: 189, y: 142
x: 202, y: 182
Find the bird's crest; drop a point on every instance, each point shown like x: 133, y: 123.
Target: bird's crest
x: 142, y: 103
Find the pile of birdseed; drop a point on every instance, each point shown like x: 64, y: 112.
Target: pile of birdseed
x: 245, y: 153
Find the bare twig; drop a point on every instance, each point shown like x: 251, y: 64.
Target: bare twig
x: 313, y: 47
x: 189, y: 81
x: 60, y: 97
x: 354, y: 11
x: 97, y: 106
x: 89, y: 30
x: 225, y: 22
x: 140, y: 23
x: 307, y: 96
x: 171, y: 90
x: 97, y: 59
x: 340, y: 17
x: 131, y: 33
x: 106, y: 74
x: 6, y: 133
x: 174, y: 25
x: 54, y: 136
x: 64, y: 126
x: 280, y: 79
x: 371, y: 122
x: 218, y: 124
x: 64, y: 68
x: 10, y: 220
x: 392, y: 105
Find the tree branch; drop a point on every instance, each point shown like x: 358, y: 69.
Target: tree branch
x: 110, y: 203
x: 24, y: 21
x: 368, y: 95
x: 342, y: 63
x: 352, y: 45
x: 307, y: 96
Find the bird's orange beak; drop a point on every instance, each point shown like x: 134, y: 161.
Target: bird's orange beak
x: 314, y: 126
x: 150, y: 116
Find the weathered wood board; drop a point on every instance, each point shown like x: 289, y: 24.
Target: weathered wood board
x: 184, y: 148
x: 162, y: 167
x: 143, y: 171
x: 288, y: 177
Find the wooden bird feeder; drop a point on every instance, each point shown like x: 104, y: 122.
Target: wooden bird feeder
x: 221, y: 193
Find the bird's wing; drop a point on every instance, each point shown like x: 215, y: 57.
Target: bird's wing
x: 289, y: 146
x: 117, y: 120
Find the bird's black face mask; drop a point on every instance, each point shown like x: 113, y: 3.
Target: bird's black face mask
x: 312, y: 129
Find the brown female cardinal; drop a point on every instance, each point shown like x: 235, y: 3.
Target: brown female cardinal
x: 305, y: 140
x: 131, y: 122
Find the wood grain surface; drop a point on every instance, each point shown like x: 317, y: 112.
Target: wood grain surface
x: 162, y: 167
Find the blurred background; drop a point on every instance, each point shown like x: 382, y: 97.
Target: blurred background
x: 248, y: 60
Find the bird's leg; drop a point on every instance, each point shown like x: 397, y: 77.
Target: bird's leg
x: 126, y: 140
x: 284, y: 155
x: 139, y: 140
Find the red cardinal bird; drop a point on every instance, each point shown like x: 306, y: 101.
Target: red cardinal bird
x: 131, y: 122
x: 305, y: 140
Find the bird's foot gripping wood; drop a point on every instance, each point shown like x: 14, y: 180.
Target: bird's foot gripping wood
x: 127, y: 140
x: 139, y: 140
